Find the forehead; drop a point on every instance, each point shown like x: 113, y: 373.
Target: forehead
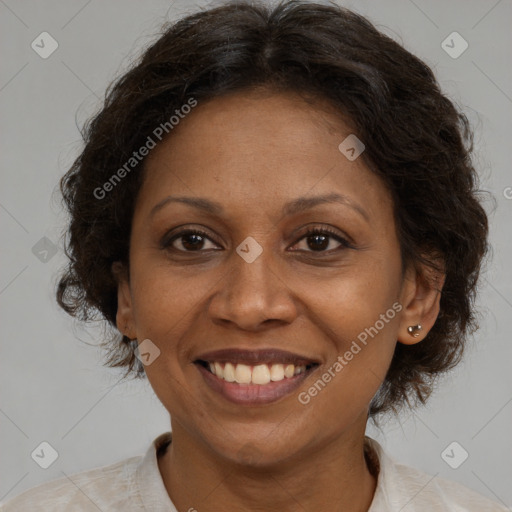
x: 257, y: 148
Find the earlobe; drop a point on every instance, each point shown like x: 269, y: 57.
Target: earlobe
x: 414, y: 330
x: 124, y: 316
x: 422, y: 296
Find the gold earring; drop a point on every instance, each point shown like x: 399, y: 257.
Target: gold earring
x: 413, y: 330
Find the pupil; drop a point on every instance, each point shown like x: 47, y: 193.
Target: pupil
x: 324, y: 242
x: 195, y: 244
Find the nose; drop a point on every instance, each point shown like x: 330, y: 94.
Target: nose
x: 253, y: 296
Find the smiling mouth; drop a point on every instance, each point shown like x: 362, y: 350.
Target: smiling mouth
x: 254, y: 377
x: 261, y: 374
x: 253, y: 385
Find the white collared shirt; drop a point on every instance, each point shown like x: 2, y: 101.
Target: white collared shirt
x: 136, y: 485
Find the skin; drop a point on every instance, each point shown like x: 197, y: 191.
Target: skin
x: 252, y: 152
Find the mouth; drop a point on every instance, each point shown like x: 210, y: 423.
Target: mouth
x: 249, y: 377
x: 260, y: 375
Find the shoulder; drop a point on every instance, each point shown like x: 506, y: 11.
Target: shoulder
x: 429, y: 491
x: 104, y: 488
x: 400, y: 486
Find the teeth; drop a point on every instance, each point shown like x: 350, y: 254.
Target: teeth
x: 219, y: 371
x: 260, y: 374
x: 289, y: 371
x: 229, y: 372
x: 242, y: 374
x: 276, y: 372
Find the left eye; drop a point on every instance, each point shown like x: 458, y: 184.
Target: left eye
x: 318, y: 240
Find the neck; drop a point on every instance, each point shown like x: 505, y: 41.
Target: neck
x: 331, y: 476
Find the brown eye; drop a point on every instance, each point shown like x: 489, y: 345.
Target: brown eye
x: 189, y: 241
x: 319, y: 240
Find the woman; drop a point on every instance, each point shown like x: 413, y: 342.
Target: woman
x: 277, y: 209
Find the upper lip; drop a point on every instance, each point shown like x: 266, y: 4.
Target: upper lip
x: 254, y: 357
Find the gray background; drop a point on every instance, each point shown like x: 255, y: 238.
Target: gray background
x: 53, y: 386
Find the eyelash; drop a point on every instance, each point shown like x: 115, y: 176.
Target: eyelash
x: 329, y: 233
x: 344, y: 243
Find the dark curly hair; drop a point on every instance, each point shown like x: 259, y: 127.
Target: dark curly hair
x: 416, y: 140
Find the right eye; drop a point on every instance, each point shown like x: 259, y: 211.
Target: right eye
x: 190, y: 240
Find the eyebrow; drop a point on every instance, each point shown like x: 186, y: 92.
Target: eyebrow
x: 296, y: 206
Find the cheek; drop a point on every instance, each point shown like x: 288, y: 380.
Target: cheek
x: 361, y: 324
x: 354, y: 297
x: 164, y: 299
x: 363, y: 339
x: 358, y: 312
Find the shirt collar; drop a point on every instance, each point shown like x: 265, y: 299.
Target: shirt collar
x: 149, y: 480
x: 381, y: 500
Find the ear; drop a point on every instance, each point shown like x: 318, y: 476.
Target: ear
x: 420, y: 298
x: 124, y: 317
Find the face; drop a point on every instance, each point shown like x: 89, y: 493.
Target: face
x: 240, y: 271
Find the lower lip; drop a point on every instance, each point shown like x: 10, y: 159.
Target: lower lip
x: 253, y: 394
